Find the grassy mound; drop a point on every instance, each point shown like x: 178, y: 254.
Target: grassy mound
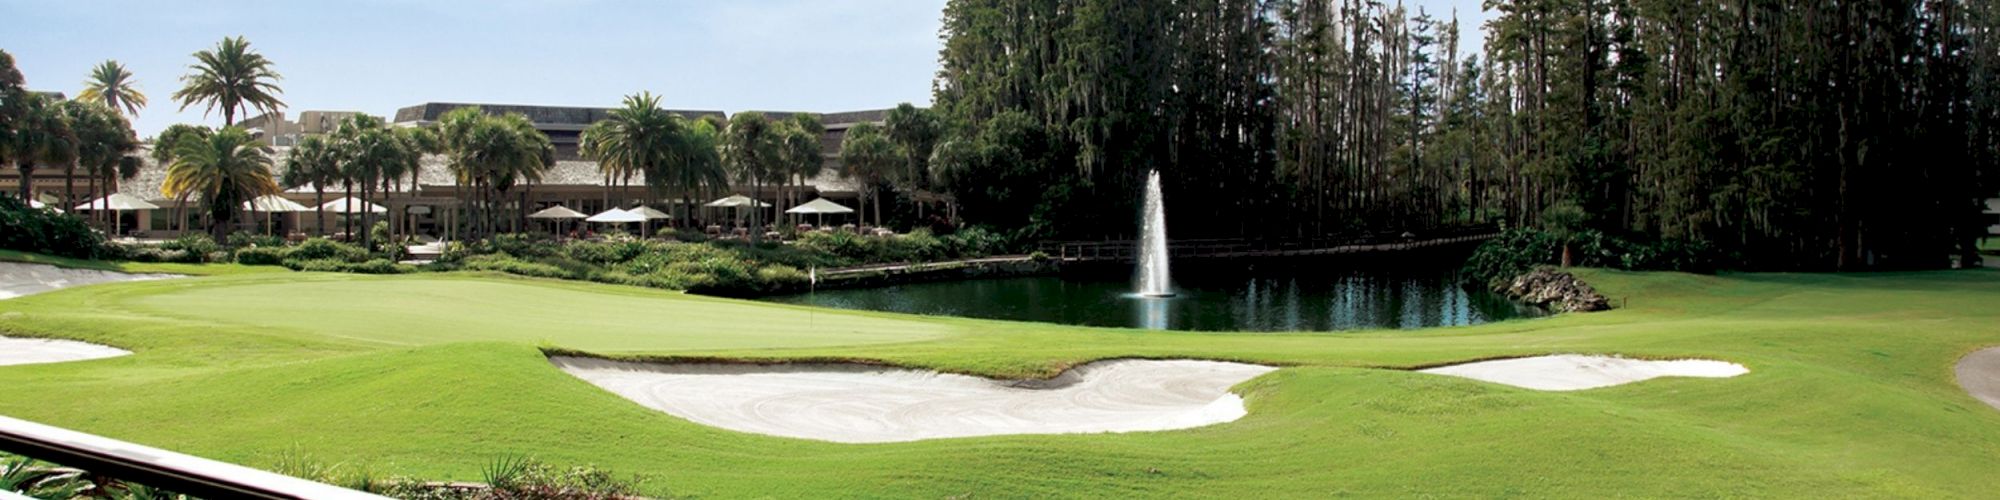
x: 1850, y: 392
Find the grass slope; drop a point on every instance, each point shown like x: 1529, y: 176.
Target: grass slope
x: 435, y: 375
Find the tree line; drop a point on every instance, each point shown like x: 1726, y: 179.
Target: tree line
x: 1791, y: 134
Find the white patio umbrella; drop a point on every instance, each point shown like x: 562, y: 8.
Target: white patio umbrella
x: 353, y: 206
x: 118, y: 202
x: 272, y: 204
x: 650, y: 214
x: 819, y: 208
x: 38, y: 204
x: 557, y: 213
x: 737, y: 201
x: 616, y: 216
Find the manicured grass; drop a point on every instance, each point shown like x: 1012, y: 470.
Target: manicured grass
x: 138, y: 267
x: 436, y: 375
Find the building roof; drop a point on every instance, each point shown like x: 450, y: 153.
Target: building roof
x: 435, y: 175
x: 545, y: 117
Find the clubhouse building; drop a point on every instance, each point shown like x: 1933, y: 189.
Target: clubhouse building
x: 429, y: 206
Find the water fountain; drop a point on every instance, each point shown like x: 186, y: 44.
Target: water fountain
x: 1154, y: 279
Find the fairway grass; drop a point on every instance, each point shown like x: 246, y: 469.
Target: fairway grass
x: 1850, y: 390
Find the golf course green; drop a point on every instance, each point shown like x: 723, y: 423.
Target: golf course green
x: 1850, y: 391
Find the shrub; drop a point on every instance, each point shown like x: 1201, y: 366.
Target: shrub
x: 372, y: 266
x: 511, y: 265
x: 261, y: 256
x: 242, y: 239
x: 325, y: 249
x: 197, y: 244
x: 1518, y: 251
x: 30, y: 229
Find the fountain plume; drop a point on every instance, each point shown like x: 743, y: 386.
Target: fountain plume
x: 1154, y: 277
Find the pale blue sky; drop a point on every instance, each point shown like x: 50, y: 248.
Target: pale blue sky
x: 379, y: 55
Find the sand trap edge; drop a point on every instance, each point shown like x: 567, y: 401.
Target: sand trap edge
x: 1979, y: 374
x: 18, y: 351
x: 1576, y: 372
x: 786, y: 399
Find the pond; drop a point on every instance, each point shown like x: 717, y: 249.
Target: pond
x: 1266, y: 297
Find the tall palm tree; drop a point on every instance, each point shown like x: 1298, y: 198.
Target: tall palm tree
x: 105, y: 142
x: 491, y: 154
x: 700, y: 161
x: 42, y: 136
x: 803, y: 156
x: 639, y: 138
x: 374, y: 153
x: 226, y: 169
x: 314, y: 162
x: 870, y: 157
x: 752, y: 150
x: 111, y: 84
x: 231, y: 77
x: 164, y: 145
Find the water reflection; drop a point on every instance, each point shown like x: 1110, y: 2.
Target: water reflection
x: 1225, y: 299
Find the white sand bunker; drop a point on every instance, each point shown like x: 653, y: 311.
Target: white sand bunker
x: 863, y: 404
x: 1979, y: 374
x: 15, y: 351
x: 18, y: 279
x: 1571, y: 372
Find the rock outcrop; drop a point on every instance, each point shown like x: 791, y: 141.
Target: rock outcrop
x: 1557, y: 291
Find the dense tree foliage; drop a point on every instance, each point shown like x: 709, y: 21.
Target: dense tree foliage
x: 1792, y: 134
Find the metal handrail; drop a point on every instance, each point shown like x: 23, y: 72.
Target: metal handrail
x: 185, y: 474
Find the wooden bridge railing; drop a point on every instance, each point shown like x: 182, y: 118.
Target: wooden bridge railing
x: 1127, y: 250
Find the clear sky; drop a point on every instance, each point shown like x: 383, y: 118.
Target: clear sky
x: 380, y: 55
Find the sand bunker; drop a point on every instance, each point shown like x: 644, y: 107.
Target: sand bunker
x: 1979, y: 374
x: 18, y: 279
x: 1570, y: 372
x: 33, y: 351
x: 862, y: 404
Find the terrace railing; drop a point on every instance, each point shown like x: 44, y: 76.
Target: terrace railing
x: 185, y: 474
x: 1126, y: 250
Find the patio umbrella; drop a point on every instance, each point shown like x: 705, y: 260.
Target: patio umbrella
x: 118, y: 202
x: 353, y: 206
x: 271, y: 204
x: 819, y: 208
x: 39, y: 204
x: 557, y: 213
x: 650, y: 214
x: 616, y: 216
x: 737, y: 201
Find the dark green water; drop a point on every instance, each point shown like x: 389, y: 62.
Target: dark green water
x: 1356, y: 295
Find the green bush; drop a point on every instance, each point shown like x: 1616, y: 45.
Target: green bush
x: 510, y: 265
x: 372, y: 266
x: 261, y: 256
x: 325, y: 249
x: 30, y: 229
x: 1518, y: 251
x: 242, y: 239
x: 197, y: 244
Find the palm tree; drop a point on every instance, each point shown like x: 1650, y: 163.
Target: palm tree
x: 700, y: 160
x: 41, y: 136
x: 374, y: 153
x: 105, y: 142
x: 803, y: 157
x: 231, y: 77
x: 490, y: 154
x: 111, y: 84
x: 314, y: 162
x: 869, y: 156
x: 752, y: 151
x: 639, y: 138
x: 164, y: 145
x: 226, y: 169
